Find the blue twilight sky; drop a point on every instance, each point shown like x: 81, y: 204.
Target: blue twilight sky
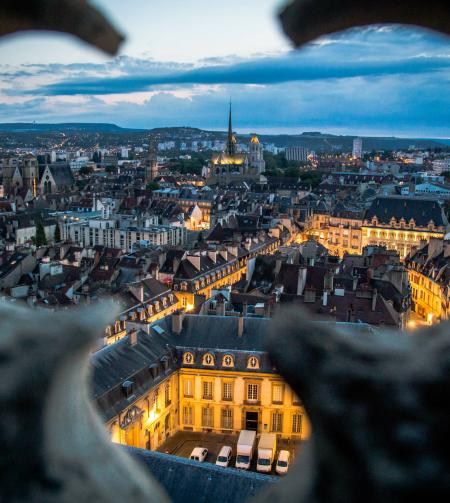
x: 184, y: 59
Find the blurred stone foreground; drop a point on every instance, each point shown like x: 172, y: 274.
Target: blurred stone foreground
x: 378, y: 407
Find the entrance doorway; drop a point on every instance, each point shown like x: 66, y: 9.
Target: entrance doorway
x: 251, y: 421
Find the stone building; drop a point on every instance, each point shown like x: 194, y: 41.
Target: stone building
x: 429, y: 275
x: 193, y: 373
x: 231, y: 165
x: 402, y: 223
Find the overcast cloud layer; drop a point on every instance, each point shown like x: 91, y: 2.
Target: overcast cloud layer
x: 371, y: 81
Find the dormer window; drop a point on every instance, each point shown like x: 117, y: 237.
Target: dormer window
x: 228, y: 361
x: 253, y: 362
x: 208, y: 359
x: 128, y: 388
x: 188, y: 358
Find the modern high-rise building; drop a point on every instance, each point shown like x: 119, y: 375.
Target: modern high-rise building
x: 357, y: 148
x: 296, y: 154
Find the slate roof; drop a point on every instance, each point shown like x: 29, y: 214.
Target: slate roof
x: 189, y: 481
x: 421, y: 210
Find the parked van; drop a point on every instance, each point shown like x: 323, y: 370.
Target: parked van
x: 282, y: 466
x: 266, y: 452
x: 245, y: 447
x: 224, y: 457
x: 199, y: 454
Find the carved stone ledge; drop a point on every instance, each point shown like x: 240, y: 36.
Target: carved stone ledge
x: 54, y: 445
x: 378, y: 409
x: 306, y: 20
x: 76, y: 17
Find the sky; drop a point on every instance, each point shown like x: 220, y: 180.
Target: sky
x: 183, y: 60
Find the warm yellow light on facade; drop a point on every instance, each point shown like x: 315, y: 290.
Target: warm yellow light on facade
x: 189, y: 307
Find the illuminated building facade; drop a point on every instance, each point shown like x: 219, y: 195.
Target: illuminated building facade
x: 200, y: 272
x: 231, y: 165
x: 145, y: 301
x: 193, y: 373
x: 403, y: 223
x: 429, y: 276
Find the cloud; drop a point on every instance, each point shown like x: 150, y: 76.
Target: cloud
x: 381, y: 80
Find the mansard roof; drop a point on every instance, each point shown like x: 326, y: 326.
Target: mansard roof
x: 421, y: 210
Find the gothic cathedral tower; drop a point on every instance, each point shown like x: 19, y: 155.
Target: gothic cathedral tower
x: 151, y: 164
x: 30, y: 174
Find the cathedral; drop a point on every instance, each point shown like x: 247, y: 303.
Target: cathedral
x: 28, y: 179
x: 232, y: 165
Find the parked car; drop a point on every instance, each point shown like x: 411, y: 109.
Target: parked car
x: 199, y: 454
x: 224, y: 457
x: 282, y: 466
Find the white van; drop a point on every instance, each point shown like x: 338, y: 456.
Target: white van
x: 199, y: 454
x: 224, y: 457
x: 282, y: 466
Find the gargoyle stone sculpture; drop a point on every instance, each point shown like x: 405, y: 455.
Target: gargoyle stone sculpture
x: 77, y: 17
x: 53, y: 444
x: 306, y: 20
x: 378, y: 409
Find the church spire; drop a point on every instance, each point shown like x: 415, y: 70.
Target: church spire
x: 231, y: 142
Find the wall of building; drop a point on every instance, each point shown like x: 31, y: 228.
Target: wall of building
x: 275, y: 403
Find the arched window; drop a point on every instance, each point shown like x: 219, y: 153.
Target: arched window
x: 228, y: 361
x: 208, y: 359
x: 253, y: 362
x: 188, y: 358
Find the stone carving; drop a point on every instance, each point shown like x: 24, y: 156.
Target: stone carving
x: 378, y: 409
x: 305, y: 20
x: 54, y: 445
x: 77, y: 17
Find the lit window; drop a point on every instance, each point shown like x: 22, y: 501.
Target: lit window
x: 296, y: 423
x: 277, y: 393
x: 188, y: 358
x: 252, y: 392
x: 226, y: 420
x: 228, y: 361
x: 227, y: 390
x: 188, y: 415
x: 207, y: 390
x: 277, y: 422
x: 167, y: 394
x: 208, y: 359
x: 207, y: 417
x: 187, y: 387
x: 253, y: 363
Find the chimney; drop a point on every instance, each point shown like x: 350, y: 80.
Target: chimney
x: 309, y: 295
x: 133, y: 337
x: 374, y: 299
x: 195, y: 261
x: 240, y: 326
x: 220, y: 308
x: 328, y: 281
x: 177, y: 321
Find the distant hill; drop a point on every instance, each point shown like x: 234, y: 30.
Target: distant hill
x: 27, y: 127
x: 23, y: 133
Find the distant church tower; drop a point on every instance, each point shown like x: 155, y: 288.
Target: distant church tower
x: 256, y: 156
x: 151, y: 164
x: 231, y: 139
x: 30, y: 174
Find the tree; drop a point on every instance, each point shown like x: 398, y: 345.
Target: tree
x: 86, y: 170
x: 57, y: 233
x: 40, y: 239
x: 152, y: 186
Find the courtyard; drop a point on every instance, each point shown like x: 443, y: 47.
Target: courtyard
x: 183, y: 442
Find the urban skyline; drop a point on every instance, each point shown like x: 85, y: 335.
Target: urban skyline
x: 372, y: 81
